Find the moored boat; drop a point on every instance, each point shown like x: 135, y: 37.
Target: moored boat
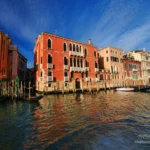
x: 125, y: 89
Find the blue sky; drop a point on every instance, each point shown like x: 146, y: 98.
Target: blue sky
x: 120, y: 23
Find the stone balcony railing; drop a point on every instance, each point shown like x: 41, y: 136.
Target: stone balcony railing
x: 134, y: 69
x: 41, y: 66
x: 73, y: 53
x: 50, y: 65
x: 50, y: 78
x: 66, y: 67
x: 87, y: 68
x: 97, y: 79
x: 77, y: 69
x: 96, y: 69
x: 66, y: 79
x: 87, y: 79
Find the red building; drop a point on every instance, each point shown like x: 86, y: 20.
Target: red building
x: 132, y: 70
x: 64, y: 63
x: 12, y: 63
x: 4, y: 45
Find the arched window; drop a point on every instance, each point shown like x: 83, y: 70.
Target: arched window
x: 49, y: 44
x: 65, y: 61
x: 112, y: 69
x: 80, y: 48
x: 85, y: 52
x: 66, y: 74
x: 78, y: 63
x: 49, y: 73
x: 65, y: 47
x: 74, y: 62
x: 77, y: 49
x: 49, y: 59
x: 70, y: 47
x: 94, y: 54
x: 73, y: 47
x: 86, y: 63
x: 96, y: 65
x: 71, y: 62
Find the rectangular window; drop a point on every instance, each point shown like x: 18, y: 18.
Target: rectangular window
x: 101, y: 77
x: 49, y: 85
x: 41, y: 74
x: 124, y: 65
x: 106, y: 51
x: 71, y: 74
x: 130, y: 66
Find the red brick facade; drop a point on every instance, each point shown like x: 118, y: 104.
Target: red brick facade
x: 59, y: 59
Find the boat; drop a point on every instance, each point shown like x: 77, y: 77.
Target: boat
x: 124, y: 89
x: 144, y: 88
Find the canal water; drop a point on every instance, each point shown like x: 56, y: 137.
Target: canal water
x: 101, y: 121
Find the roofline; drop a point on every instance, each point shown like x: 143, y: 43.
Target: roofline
x: 23, y: 56
x: 68, y: 39
x: 112, y: 47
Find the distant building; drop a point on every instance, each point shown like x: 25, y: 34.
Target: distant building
x: 22, y: 67
x: 110, y: 61
x: 30, y: 74
x: 5, y: 41
x: 144, y: 57
x: 132, y: 69
x: 12, y: 62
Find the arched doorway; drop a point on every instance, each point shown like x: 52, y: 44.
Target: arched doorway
x: 78, y: 83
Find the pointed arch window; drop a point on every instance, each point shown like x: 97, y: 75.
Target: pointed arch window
x: 49, y: 73
x: 65, y: 61
x: 49, y: 59
x: 96, y: 65
x: 73, y: 47
x: 65, y: 47
x: 85, y: 52
x: 49, y: 44
x: 71, y: 62
x: 70, y: 47
x: 74, y: 62
x: 77, y: 48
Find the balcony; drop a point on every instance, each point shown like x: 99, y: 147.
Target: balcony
x: 40, y: 79
x: 96, y: 69
x: 66, y: 79
x: 41, y: 66
x: 73, y: 53
x: 66, y: 67
x: 77, y: 69
x: 87, y: 79
x: 50, y: 65
x: 134, y: 69
x: 97, y: 79
x: 87, y: 69
x: 50, y: 78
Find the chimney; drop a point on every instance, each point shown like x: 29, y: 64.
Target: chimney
x: 6, y: 35
x: 101, y: 47
x: 89, y: 42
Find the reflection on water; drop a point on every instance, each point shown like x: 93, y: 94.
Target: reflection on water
x: 112, y: 120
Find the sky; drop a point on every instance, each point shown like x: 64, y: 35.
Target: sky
x: 123, y: 24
